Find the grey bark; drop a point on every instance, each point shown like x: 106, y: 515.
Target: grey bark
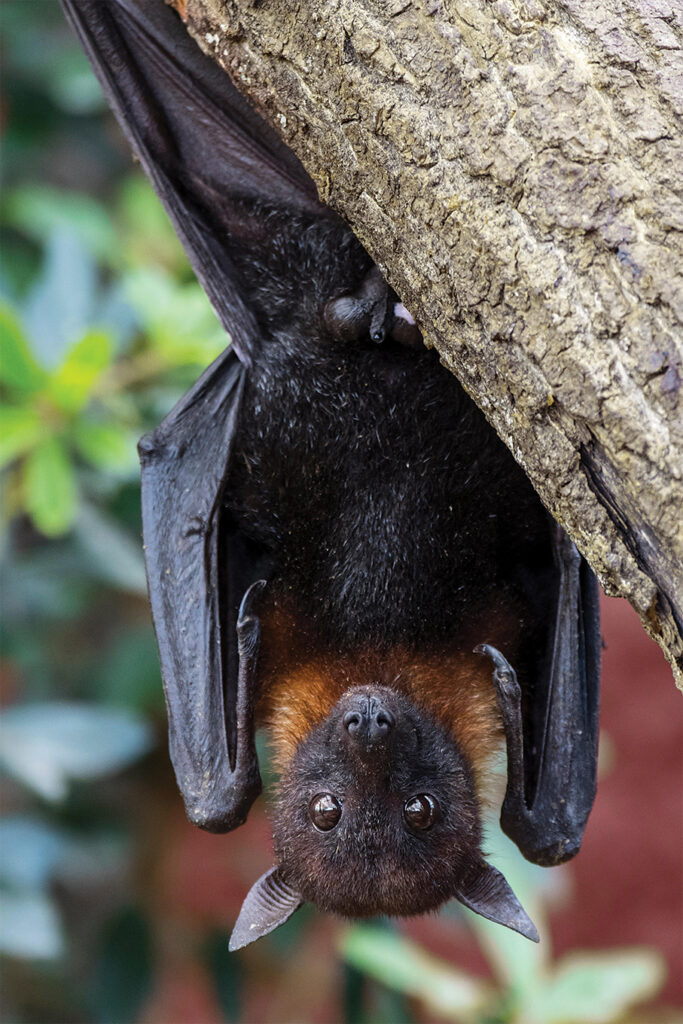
x: 514, y: 168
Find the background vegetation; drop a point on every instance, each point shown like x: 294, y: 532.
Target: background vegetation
x: 114, y: 909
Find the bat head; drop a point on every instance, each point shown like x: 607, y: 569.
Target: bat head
x: 377, y: 814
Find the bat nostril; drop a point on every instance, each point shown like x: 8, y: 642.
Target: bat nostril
x: 352, y: 721
x: 383, y: 722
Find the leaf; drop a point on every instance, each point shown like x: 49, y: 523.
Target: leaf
x: 129, y: 673
x: 59, y: 308
x: 47, y: 745
x: 20, y: 429
x: 49, y: 487
x: 72, y: 385
x: 227, y: 974
x: 179, y: 319
x: 598, y: 988
x: 30, y: 851
x: 39, y: 211
x: 403, y: 966
x: 72, y: 85
x: 30, y: 926
x: 123, y: 973
x: 18, y: 368
x: 111, y: 550
x: 106, y: 445
x: 148, y: 237
x: 518, y: 964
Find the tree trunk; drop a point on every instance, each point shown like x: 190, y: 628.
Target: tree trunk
x: 514, y: 168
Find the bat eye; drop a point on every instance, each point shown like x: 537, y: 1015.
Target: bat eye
x: 325, y: 811
x: 420, y: 811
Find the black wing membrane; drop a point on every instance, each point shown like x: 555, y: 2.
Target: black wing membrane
x: 187, y: 542
x: 552, y: 737
x: 201, y: 145
x: 197, y: 139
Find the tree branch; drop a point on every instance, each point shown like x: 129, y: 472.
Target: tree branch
x: 513, y: 167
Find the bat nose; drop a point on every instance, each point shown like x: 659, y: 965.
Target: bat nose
x: 368, y: 723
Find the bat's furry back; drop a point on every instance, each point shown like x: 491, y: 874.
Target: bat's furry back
x: 394, y: 512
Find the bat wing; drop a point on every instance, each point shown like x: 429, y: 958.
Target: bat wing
x: 200, y: 144
x: 197, y: 139
x: 552, y: 737
x: 198, y: 569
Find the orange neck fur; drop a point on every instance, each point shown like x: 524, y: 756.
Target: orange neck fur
x: 301, y: 682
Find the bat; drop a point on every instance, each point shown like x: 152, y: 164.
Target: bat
x: 339, y: 548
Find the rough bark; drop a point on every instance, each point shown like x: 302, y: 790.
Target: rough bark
x: 514, y: 168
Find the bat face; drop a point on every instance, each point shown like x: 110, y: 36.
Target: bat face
x: 376, y: 814
x: 376, y: 801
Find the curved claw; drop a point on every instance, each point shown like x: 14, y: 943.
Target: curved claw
x: 248, y: 602
x: 505, y: 680
x: 500, y: 662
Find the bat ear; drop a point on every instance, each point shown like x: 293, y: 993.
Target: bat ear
x: 269, y: 903
x: 485, y: 891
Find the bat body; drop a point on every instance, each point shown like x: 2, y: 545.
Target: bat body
x: 331, y: 530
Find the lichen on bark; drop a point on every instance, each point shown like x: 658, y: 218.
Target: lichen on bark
x: 514, y: 168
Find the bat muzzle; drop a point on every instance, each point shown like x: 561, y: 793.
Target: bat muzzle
x: 368, y: 722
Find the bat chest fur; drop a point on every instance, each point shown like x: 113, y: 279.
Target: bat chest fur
x: 376, y: 484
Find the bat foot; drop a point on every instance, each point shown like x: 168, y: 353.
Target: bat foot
x: 504, y: 676
x: 248, y: 624
x: 248, y: 603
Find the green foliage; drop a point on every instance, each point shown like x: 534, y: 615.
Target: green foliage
x: 587, y: 988
x: 102, y: 328
x: 123, y: 974
x: 79, y: 358
x: 581, y: 989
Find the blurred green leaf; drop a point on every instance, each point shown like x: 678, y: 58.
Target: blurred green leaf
x: 18, y: 368
x: 367, y: 1001
x: 20, y: 429
x: 129, y: 673
x: 71, y: 386
x: 147, y: 236
x: 49, y: 487
x: 519, y: 964
x: 116, y: 555
x: 597, y: 988
x: 39, y: 211
x: 46, y: 745
x: 355, y: 983
x: 106, y: 445
x: 50, y: 583
x: 60, y: 306
x: 405, y: 967
x: 179, y: 319
x: 227, y: 975
x: 72, y: 84
x: 123, y: 974
x: 30, y: 926
x: 30, y: 851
